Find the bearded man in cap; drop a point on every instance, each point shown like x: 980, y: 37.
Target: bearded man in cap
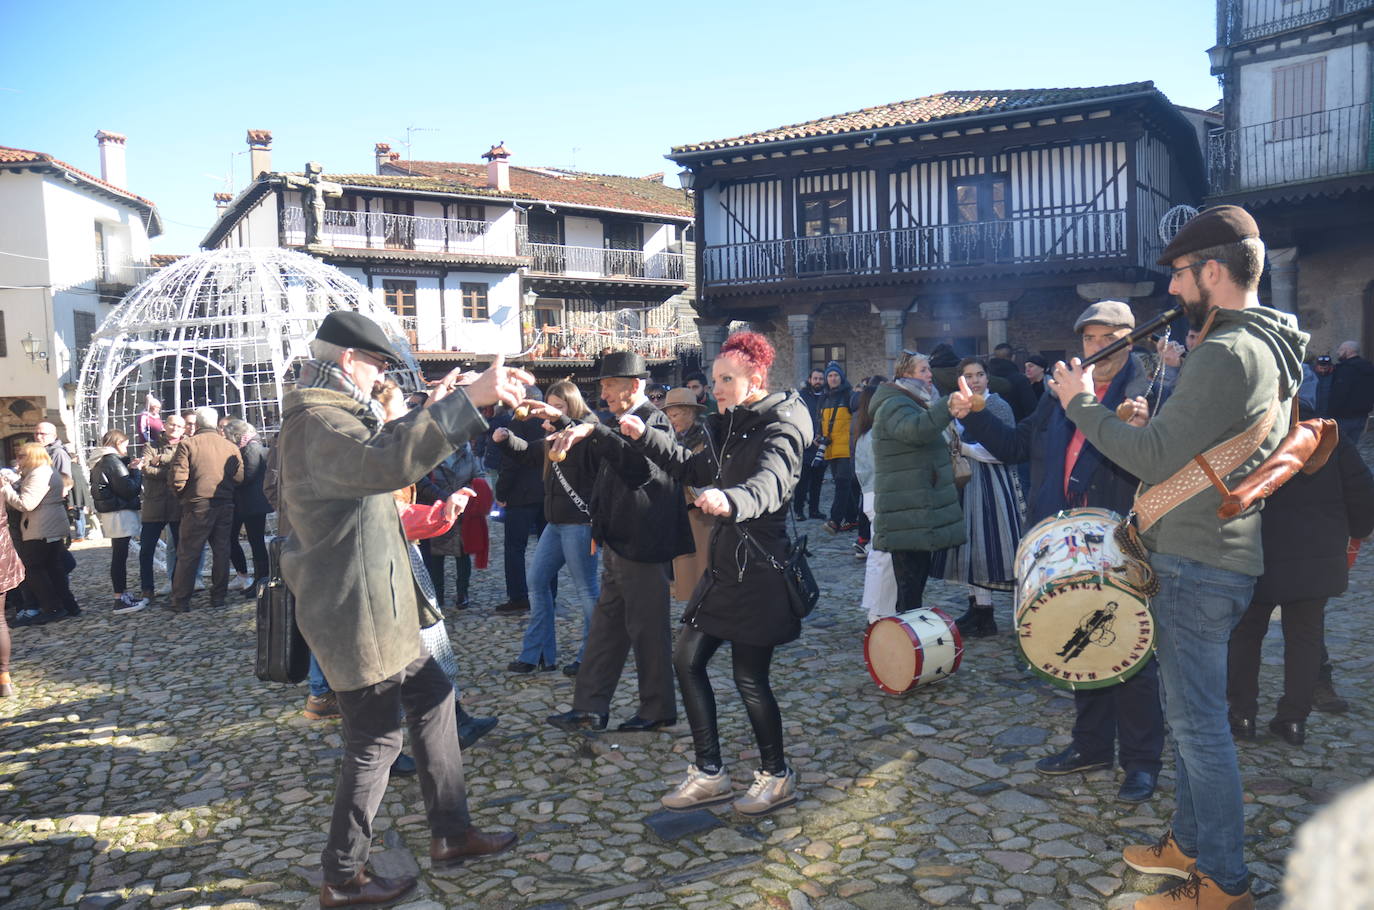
x: 639, y: 519
x: 1239, y: 377
x: 1122, y: 722
x: 346, y: 562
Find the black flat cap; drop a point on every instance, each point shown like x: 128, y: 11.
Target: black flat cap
x: 348, y: 329
x: 1216, y: 226
x: 623, y: 365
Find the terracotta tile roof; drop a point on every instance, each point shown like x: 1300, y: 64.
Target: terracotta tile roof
x: 604, y: 191
x: 943, y: 106
x: 162, y: 260
x: 24, y: 156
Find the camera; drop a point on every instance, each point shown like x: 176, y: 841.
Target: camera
x: 819, y: 458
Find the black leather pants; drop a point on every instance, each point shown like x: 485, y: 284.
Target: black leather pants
x: 693, y: 652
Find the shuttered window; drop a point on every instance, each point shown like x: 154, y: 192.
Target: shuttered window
x: 1299, y: 99
x: 474, y: 300
x: 4, y: 343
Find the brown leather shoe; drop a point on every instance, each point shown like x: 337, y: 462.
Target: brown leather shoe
x: 364, y: 889
x: 472, y: 843
x: 1160, y: 858
x: 1197, y: 892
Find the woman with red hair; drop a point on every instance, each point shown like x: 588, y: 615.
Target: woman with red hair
x: 749, y: 469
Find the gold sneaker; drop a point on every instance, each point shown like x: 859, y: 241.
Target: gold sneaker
x: 1160, y: 858
x: 1197, y: 892
x: 699, y: 789
x: 768, y: 792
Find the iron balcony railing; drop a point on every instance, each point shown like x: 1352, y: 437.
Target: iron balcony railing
x: 599, y: 262
x: 383, y: 230
x: 1318, y: 146
x: 129, y: 273
x: 1069, y: 236
x: 1246, y: 20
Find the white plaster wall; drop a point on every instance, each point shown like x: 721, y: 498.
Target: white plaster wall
x: 1347, y: 82
x: 658, y: 236
x: 502, y: 233
x: 484, y: 336
x: 579, y: 231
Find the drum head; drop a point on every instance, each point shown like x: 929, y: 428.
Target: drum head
x: 1085, y: 632
x: 911, y: 649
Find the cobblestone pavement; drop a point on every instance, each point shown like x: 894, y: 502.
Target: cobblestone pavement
x: 142, y: 765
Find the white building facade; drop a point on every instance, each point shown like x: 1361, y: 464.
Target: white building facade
x: 71, y: 245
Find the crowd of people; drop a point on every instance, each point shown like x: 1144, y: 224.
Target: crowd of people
x: 651, y: 493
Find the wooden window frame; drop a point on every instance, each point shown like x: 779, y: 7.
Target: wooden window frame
x: 1288, y: 122
x: 472, y: 310
x: 828, y: 352
x: 82, y: 344
x: 842, y: 195
x: 4, y: 338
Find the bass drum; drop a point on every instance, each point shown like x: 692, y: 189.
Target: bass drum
x: 1082, y: 615
x: 912, y: 649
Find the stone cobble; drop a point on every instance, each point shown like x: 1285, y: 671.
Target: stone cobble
x: 143, y: 765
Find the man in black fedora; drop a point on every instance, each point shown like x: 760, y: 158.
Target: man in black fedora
x: 639, y: 522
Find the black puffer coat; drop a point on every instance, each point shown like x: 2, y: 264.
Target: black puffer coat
x: 1306, y: 526
x: 115, y: 488
x: 741, y: 597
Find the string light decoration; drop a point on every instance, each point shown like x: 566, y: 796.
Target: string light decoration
x: 225, y: 328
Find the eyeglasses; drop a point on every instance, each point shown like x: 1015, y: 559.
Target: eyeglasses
x: 1195, y: 265
x: 371, y: 358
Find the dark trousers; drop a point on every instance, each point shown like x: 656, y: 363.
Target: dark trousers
x: 521, y: 522
x: 462, y: 573
x: 1303, y: 622
x: 372, y: 740
x: 911, y: 569
x: 119, y: 563
x: 631, y: 615
x: 45, y: 576
x: 807, y: 498
x: 751, y: 662
x: 844, y: 508
x: 256, y: 528
x: 208, y: 520
x: 1125, y: 718
x: 147, y: 548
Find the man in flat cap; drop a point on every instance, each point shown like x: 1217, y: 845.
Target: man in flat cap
x: 639, y: 522
x: 1122, y: 722
x: 1236, y: 382
x: 356, y: 602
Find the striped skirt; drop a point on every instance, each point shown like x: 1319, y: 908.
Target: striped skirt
x: 992, y: 518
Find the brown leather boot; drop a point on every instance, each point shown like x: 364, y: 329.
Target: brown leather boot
x: 1197, y: 892
x: 471, y: 843
x: 1160, y: 858
x: 363, y: 889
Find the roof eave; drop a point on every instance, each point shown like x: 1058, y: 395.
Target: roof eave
x: 684, y: 158
x: 152, y: 220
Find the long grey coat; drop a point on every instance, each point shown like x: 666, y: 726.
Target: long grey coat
x: 346, y: 559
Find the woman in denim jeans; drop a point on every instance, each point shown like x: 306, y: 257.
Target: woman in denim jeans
x: 567, y: 536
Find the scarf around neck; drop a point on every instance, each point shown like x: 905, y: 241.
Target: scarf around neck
x: 324, y: 374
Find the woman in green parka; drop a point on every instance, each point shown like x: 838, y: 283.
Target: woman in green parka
x: 916, y: 505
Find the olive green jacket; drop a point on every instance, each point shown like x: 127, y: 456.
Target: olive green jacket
x: 346, y: 560
x: 915, y: 503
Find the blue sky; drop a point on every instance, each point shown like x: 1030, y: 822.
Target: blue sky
x: 605, y: 87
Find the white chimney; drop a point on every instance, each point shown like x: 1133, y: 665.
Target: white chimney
x: 112, y: 168
x: 498, y: 167
x: 259, y: 153
x: 383, y: 153
x: 222, y: 201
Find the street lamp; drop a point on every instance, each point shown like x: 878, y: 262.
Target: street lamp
x: 34, y: 348
x: 686, y: 178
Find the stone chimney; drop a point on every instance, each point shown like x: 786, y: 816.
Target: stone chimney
x: 498, y: 167
x: 383, y: 153
x: 259, y: 153
x: 112, y: 168
x: 222, y: 201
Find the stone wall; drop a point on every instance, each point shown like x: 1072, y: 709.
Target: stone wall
x: 1334, y: 281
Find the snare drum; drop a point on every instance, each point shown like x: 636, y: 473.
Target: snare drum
x: 912, y: 649
x: 1082, y: 616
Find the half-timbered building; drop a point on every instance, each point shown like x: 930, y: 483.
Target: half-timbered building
x: 963, y: 217
x: 1297, y: 150
x: 548, y: 267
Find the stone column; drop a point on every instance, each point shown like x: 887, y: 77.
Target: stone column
x: 800, y: 325
x: 712, y: 336
x: 996, y: 313
x: 1283, y: 278
x: 894, y: 321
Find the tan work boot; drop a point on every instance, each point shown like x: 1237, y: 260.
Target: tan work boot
x: 1160, y: 858
x: 699, y: 789
x: 1197, y: 892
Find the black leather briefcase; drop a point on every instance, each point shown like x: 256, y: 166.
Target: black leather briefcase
x: 283, y: 655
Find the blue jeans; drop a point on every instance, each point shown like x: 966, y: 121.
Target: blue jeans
x: 319, y: 686
x: 559, y: 545
x: 1195, y: 610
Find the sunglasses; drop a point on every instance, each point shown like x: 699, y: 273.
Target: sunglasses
x: 657, y: 397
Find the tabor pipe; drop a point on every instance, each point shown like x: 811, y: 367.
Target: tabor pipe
x: 1138, y: 333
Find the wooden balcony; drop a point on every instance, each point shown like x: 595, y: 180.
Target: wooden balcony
x: 1066, y: 239
x: 599, y: 262
x: 381, y: 230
